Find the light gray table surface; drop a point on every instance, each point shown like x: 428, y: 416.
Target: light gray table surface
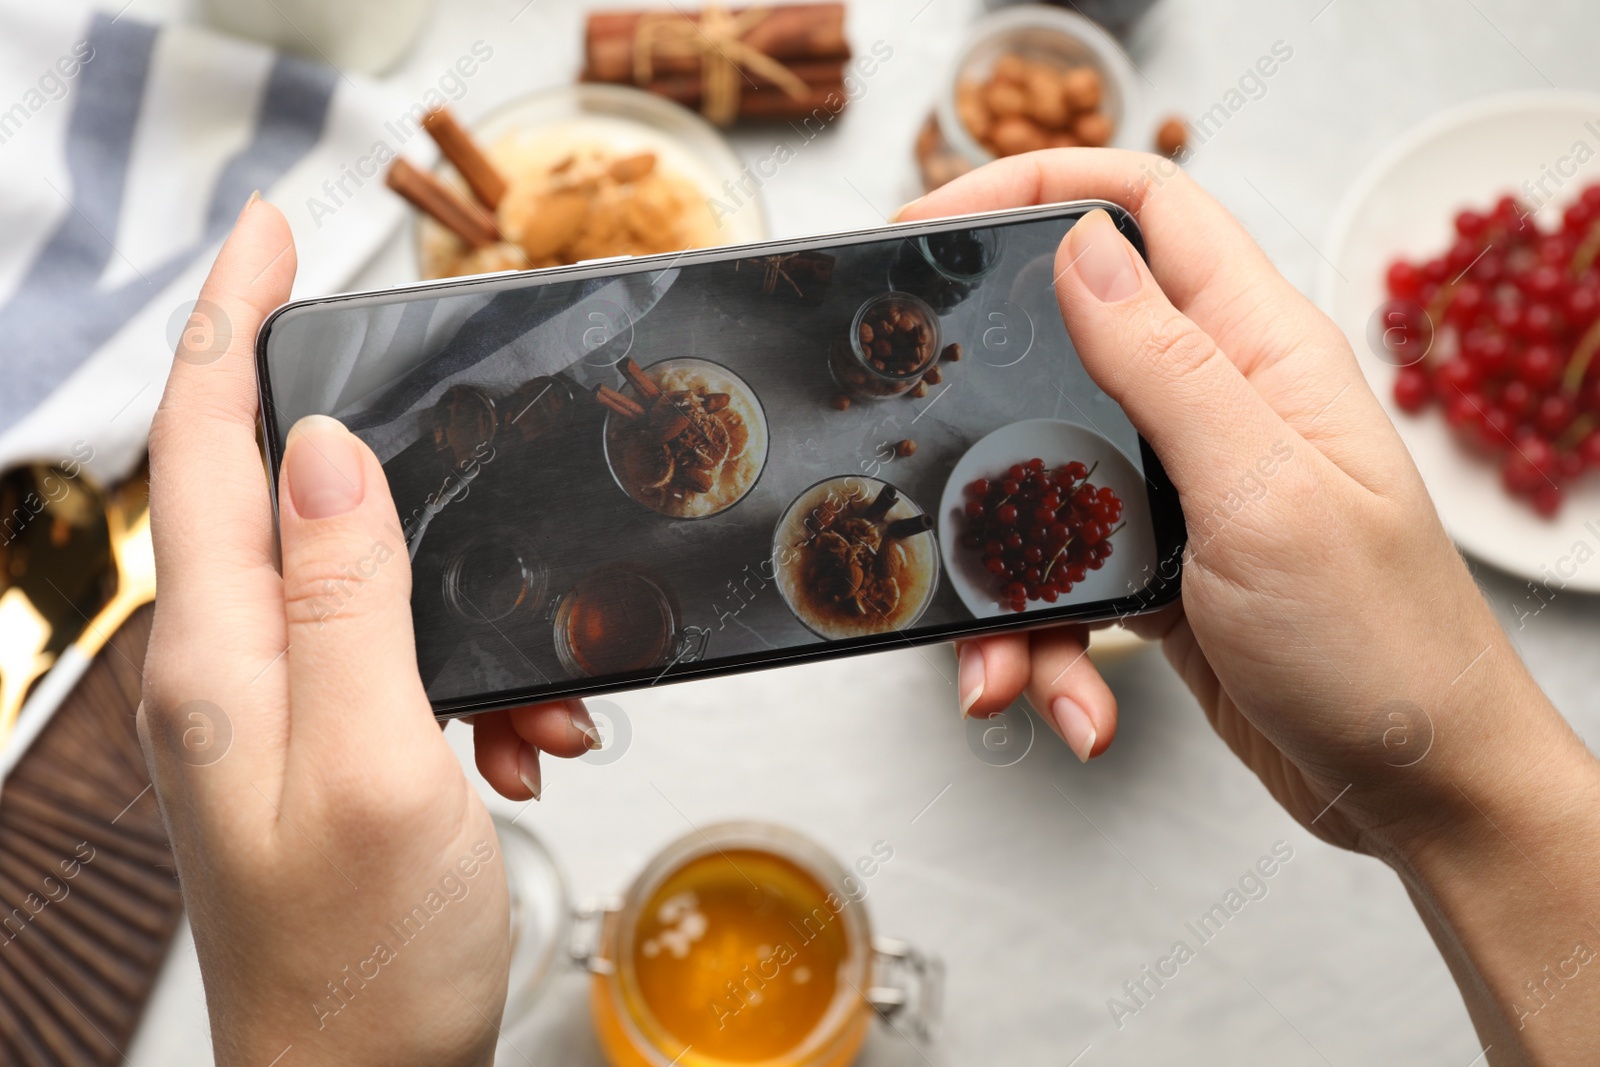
x: 1044, y: 885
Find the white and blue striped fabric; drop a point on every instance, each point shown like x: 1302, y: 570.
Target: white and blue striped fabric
x: 126, y: 152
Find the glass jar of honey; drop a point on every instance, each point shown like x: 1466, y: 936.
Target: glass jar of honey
x: 745, y: 943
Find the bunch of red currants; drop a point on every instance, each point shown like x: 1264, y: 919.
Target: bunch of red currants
x: 1040, y: 531
x: 1501, y: 331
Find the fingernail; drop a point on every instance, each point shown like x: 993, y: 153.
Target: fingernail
x: 970, y: 677
x: 528, y: 769
x: 1102, y: 258
x: 1075, y: 726
x: 250, y: 202
x: 898, y: 215
x: 578, y: 716
x: 324, y: 468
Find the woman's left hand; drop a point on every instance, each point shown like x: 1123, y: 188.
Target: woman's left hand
x: 341, y: 875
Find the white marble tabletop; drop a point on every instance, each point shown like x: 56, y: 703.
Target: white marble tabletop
x: 1046, y: 884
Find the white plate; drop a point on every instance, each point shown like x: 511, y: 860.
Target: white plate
x: 1404, y: 205
x: 1056, y: 442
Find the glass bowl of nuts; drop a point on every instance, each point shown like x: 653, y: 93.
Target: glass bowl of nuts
x: 1034, y: 77
x: 894, y: 339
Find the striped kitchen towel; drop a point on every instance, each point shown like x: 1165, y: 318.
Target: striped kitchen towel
x: 126, y: 152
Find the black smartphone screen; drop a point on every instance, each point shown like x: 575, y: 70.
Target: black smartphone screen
x: 616, y: 475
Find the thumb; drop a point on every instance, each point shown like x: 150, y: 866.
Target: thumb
x: 1178, y: 388
x: 353, y: 682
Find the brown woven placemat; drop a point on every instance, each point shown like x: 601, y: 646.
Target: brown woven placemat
x: 88, y: 897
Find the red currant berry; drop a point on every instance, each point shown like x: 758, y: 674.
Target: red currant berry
x: 1471, y: 224
x: 1412, y: 389
x: 1404, y: 280
x: 1539, y: 367
x: 1555, y: 413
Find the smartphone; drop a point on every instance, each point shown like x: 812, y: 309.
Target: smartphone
x: 642, y: 470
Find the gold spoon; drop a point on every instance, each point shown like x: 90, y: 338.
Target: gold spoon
x: 56, y: 566
x: 24, y: 633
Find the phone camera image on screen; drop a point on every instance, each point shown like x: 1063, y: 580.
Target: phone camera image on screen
x: 610, y: 478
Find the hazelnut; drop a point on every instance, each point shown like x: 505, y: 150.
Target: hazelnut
x: 952, y: 352
x: 905, y: 448
x: 1082, y: 88
x: 1046, y: 104
x: 1015, y: 134
x: 841, y: 403
x: 934, y: 376
x: 1172, y: 137
x: 1093, y: 129
x: 881, y: 350
x: 1010, y: 67
x: 918, y: 391
x: 866, y: 334
x: 1062, y: 140
x: 974, y: 113
x: 1005, y: 99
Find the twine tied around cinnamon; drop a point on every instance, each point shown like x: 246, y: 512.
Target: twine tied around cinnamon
x: 717, y: 40
x: 773, y: 270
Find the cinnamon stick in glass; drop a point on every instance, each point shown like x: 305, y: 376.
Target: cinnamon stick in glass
x: 463, y: 152
x: 640, y: 380
x: 433, y: 197
x: 910, y: 527
x: 887, y: 497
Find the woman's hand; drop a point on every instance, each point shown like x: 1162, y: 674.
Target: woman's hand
x: 1319, y: 589
x: 342, y: 877
x: 1330, y: 631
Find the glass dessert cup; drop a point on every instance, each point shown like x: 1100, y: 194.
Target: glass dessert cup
x: 871, y: 375
x: 494, y: 574
x: 945, y: 268
x: 798, y: 543
x: 541, y: 915
x: 622, y: 619
x: 694, y: 968
x: 634, y: 458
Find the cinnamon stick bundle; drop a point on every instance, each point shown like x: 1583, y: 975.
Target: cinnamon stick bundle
x: 788, y: 59
x: 789, y: 33
x: 759, y: 104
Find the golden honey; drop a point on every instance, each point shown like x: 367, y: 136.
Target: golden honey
x: 736, y: 955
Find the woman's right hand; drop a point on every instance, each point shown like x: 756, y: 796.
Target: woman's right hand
x: 1329, y: 629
